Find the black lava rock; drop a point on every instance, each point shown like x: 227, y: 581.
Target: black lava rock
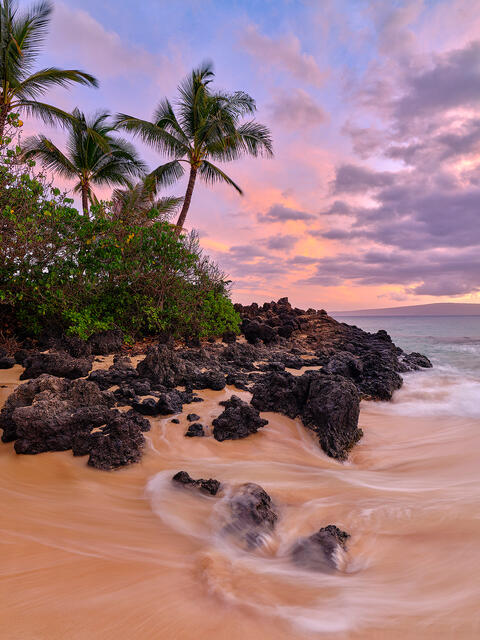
x: 318, y: 551
x: 238, y: 420
x: 210, y: 486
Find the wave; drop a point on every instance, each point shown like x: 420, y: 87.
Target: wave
x: 441, y: 391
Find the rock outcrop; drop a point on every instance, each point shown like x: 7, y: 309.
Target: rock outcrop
x: 55, y: 414
x: 252, y: 514
x: 238, y: 420
x: 59, y: 364
x: 210, y: 486
x: 320, y: 551
x: 327, y: 404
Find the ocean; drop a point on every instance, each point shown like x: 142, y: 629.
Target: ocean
x: 452, y: 387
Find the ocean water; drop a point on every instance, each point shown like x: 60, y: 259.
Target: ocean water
x: 452, y: 387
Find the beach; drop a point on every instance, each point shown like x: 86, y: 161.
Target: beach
x: 79, y: 545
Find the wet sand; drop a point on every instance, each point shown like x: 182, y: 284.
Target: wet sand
x: 88, y: 554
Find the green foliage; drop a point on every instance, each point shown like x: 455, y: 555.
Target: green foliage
x: 218, y: 316
x: 63, y: 271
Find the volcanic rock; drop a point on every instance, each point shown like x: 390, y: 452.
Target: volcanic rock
x: 195, y: 430
x: 327, y: 404
x: 320, y: 551
x: 58, y: 364
x: 210, y: 486
x: 252, y: 515
x: 238, y: 420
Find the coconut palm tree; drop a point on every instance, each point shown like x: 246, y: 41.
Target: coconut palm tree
x: 207, y: 126
x: 94, y: 157
x: 21, y: 38
x: 141, y: 203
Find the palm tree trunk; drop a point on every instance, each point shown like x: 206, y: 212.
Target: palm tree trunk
x: 187, y: 200
x: 85, y: 191
x: 3, y: 120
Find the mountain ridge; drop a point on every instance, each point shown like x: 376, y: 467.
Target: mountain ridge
x: 433, y: 309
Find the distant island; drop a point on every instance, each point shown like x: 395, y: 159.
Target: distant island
x: 436, y: 309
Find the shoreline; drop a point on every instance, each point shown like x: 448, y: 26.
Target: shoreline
x: 102, y: 537
x: 91, y: 542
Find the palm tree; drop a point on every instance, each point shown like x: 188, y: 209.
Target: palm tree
x: 21, y: 38
x: 139, y: 202
x: 208, y: 127
x: 94, y: 156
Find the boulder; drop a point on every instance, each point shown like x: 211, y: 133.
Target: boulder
x: 120, y: 373
x: 327, y: 404
x: 281, y: 392
x: 54, y: 414
x: 345, y: 364
x: 252, y: 514
x: 210, y: 486
x: 170, y: 402
x: 320, y: 551
x: 105, y: 342
x: 417, y: 361
x: 49, y: 419
x: 118, y: 443
x: 59, y: 364
x: 163, y: 366
x: 238, y: 420
x: 256, y: 331
x: 6, y: 362
x: 331, y: 409
x: 212, y: 379
x: 195, y: 430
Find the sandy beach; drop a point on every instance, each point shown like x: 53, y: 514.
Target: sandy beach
x: 81, y: 545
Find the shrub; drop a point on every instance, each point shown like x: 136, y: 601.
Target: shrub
x: 62, y: 271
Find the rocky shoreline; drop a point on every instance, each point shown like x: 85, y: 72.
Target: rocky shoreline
x: 299, y: 363
x: 65, y: 405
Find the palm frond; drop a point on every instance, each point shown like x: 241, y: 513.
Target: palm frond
x: 165, y: 118
x: 48, y: 113
x: 256, y: 139
x: 168, y: 173
x: 212, y: 174
x: 53, y: 159
x: 29, y: 32
x: 157, y: 137
x: 38, y: 83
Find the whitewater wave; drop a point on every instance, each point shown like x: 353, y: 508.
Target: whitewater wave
x: 441, y: 391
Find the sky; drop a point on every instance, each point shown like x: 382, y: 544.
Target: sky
x: 373, y: 196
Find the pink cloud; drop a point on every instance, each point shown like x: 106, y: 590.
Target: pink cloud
x: 284, y: 53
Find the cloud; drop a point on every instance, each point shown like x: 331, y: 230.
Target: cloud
x: 366, y: 140
x: 350, y: 178
x: 436, y: 273
x: 78, y: 36
x: 284, y: 53
x: 296, y: 109
x: 452, y: 81
x: 281, y: 242
x: 280, y: 213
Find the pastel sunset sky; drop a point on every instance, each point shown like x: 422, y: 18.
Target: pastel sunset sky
x: 373, y: 196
